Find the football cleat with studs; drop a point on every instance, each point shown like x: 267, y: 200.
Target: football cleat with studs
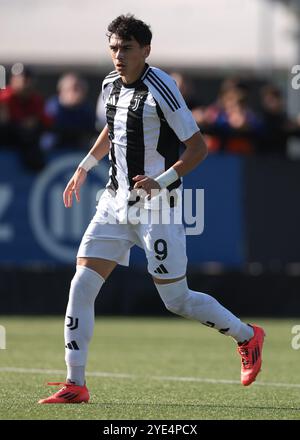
x: 69, y: 393
x: 251, y: 356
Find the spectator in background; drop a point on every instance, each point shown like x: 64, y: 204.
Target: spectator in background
x: 186, y: 89
x: 22, y: 117
x: 276, y: 124
x: 239, y: 125
x: 73, y: 118
x: 230, y: 124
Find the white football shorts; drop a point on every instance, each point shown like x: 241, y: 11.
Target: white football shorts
x: 113, y: 231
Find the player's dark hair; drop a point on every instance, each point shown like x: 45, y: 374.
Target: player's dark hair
x: 127, y: 26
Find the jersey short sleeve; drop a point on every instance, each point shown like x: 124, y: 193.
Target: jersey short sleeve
x: 165, y: 91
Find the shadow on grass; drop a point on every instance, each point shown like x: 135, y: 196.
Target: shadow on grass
x: 192, y: 405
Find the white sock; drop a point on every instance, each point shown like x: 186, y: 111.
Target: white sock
x: 79, y: 322
x: 76, y: 375
x: 179, y: 299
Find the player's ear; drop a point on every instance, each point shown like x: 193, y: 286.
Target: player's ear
x: 147, y: 50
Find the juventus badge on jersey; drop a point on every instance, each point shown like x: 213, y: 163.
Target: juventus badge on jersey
x: 136, y: 102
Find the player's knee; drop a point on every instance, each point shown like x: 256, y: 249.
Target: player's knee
x: 176, y: 306
x: 85, y: 285
x: 174, y: 296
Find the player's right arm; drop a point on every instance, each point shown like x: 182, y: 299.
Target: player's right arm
x: 97, y: 152
x: 101, y: 146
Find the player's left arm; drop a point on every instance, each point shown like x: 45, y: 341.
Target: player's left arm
x: 194, y: 154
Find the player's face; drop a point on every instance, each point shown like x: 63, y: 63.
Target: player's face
x: 128, y: 56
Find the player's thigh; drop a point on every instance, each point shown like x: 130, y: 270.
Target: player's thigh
x: 165, y: 248
x: 103, y: 246
x: 100, y: 265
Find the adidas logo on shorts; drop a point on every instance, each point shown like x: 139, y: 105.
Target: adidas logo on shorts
x: 161, y: 269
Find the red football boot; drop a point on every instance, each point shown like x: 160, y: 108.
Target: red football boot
x: 251, y: 356
x: 69, y: 393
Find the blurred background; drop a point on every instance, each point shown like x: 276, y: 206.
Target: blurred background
x: 237, y: 65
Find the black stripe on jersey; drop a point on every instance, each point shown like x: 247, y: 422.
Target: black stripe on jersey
x: 135, y: 152
x: 157, y: 87
x: 113, y: 177
x: 112, y: 74
x: 145, y: 73
x: 111, y: 109
x: 164, y: 85
x: 110, y: 78
x: 164, y: 88
x: 168, y: 145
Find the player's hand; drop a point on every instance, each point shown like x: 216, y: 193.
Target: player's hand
x: 74, y: 186
x: 150, y: 186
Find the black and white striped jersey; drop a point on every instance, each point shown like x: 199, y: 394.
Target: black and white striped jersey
x: 147, y: 121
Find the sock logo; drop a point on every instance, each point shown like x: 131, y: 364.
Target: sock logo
x: 72, y: 345
x: 212, y: 325
x: 209, y: 324
x: 73, y: 324
x: 224, y: 330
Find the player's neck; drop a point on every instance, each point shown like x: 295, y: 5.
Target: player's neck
x: 133, y: 76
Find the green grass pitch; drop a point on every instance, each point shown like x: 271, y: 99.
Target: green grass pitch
x: 149, y: 368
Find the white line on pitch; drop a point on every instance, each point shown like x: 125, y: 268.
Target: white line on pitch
x: 135, y: 376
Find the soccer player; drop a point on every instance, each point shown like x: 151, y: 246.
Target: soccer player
x: 147, y: 119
